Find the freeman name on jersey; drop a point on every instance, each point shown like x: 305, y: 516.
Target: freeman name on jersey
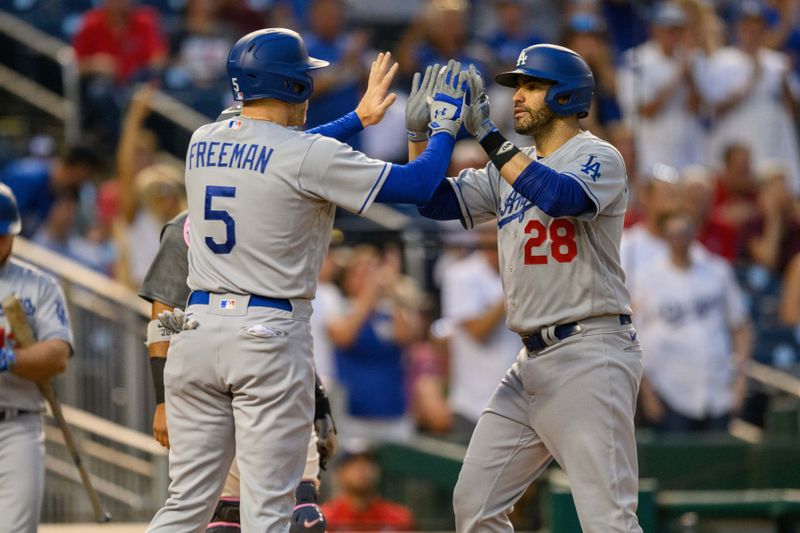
x: 246, y: 156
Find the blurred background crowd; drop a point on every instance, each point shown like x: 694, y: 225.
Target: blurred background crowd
x: 699, y: 96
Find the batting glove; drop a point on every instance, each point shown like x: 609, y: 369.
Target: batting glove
x: 417, y: 113
x: 476, y: 112
x: 448, y: 100
x: 176, y: 320
x: 7, y: 359
x: 307, y: 516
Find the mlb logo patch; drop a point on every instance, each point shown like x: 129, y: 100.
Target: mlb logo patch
x: 228, y: 304
x: 234, y: 124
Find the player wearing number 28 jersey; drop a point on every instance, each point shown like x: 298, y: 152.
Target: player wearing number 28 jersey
x: 559, y: 209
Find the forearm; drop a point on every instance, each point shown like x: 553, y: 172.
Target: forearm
x: 407, y: 325
x: 342, y: 128
x: 343, y: 331
x: 415, y: 182
x: 742, y: 337
x: 42, y: 360
x: 765, y: 247
x: 415, y: 149
x: 481, y: 327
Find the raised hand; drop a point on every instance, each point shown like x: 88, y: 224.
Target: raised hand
x: 417, y: 114
x: 377, y: 99
x: 448, y: 99
x: 476, y: 113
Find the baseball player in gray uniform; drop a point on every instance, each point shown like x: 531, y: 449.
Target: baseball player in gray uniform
x: 165, y: 288
x: 261, y: 199
x: 21, y: 404
x: 559, y: 209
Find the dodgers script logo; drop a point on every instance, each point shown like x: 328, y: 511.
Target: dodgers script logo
x: 513, y: 208
x: 227, y: 304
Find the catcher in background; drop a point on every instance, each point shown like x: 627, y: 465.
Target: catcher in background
x: 22, y: 451
x: 165, y: 288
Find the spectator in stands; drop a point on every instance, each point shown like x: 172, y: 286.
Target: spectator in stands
x: 336, y: 91
x: 642, y: 242
x: 326, y: 305
x: 482, y: 348
x: 586, y: 34
x: 115, y: 43
x: 59, y: 233
x: 695, y: 334
x: 715, y: 234
x: 790, y: 296
x: 512, y: 35
x: 442, y: 33
x: 370, y: 333
x: 773, y: 238
x: 747, y: 87
x: 735, y: 197
x: 36, y: 183
x: 200, y: 48
x: 427, y: 364
x: 359, y: 506
x: 658, y: 95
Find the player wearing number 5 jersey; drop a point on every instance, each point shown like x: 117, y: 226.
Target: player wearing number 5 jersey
x: 261, y: 198
x: 559, y: 208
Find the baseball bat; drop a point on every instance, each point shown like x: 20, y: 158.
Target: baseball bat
x: 24, y: 337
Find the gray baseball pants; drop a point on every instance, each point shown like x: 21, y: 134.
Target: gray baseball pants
x: 242, y: 382
x: 21, y: 473
x: 574, y: 403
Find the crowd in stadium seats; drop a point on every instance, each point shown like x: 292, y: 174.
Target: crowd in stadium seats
x: 699, y: 96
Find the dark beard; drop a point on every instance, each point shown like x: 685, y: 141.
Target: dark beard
x: 537, y: 121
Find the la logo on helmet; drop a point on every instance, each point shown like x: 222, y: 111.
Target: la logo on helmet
x: 523, y: 58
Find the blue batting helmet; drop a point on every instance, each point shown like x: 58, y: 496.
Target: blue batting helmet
x: 570, y: 74
x: 10, y: 223
x: 272, y: 63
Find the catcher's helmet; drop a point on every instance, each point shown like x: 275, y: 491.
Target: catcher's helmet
x: 10, y: 223
x: 571, y: 75
x: 271, y: 63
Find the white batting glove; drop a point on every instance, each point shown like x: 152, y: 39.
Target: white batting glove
x: 417, y: 113
x: 476, y: 113
x: 448, y: 100
x: 176, y: 320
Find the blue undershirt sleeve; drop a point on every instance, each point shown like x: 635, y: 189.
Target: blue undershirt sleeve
x: 558, y: 195
x: 443, y: 205
x: 340, y: 129
x: 415, y: 182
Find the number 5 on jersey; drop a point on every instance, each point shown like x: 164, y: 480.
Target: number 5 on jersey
x: 563, y: 247
x: 213, y: 191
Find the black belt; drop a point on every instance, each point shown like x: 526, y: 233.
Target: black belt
x: 19, y: 412
x: 203, y: 297
x: 538, y: 341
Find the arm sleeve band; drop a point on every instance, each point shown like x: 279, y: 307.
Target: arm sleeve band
x: 558, y: 195
x: 157, y: 369
x: 443, y: 205
x: 499, y: 149
x: 340, y: 129
x: 415, y: 182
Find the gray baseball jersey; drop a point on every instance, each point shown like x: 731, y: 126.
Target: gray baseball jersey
x: 573, y: 400
x: 560, y: 270
x: 262, y: 199
x: 44, y: 306
x: 21, y: 437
